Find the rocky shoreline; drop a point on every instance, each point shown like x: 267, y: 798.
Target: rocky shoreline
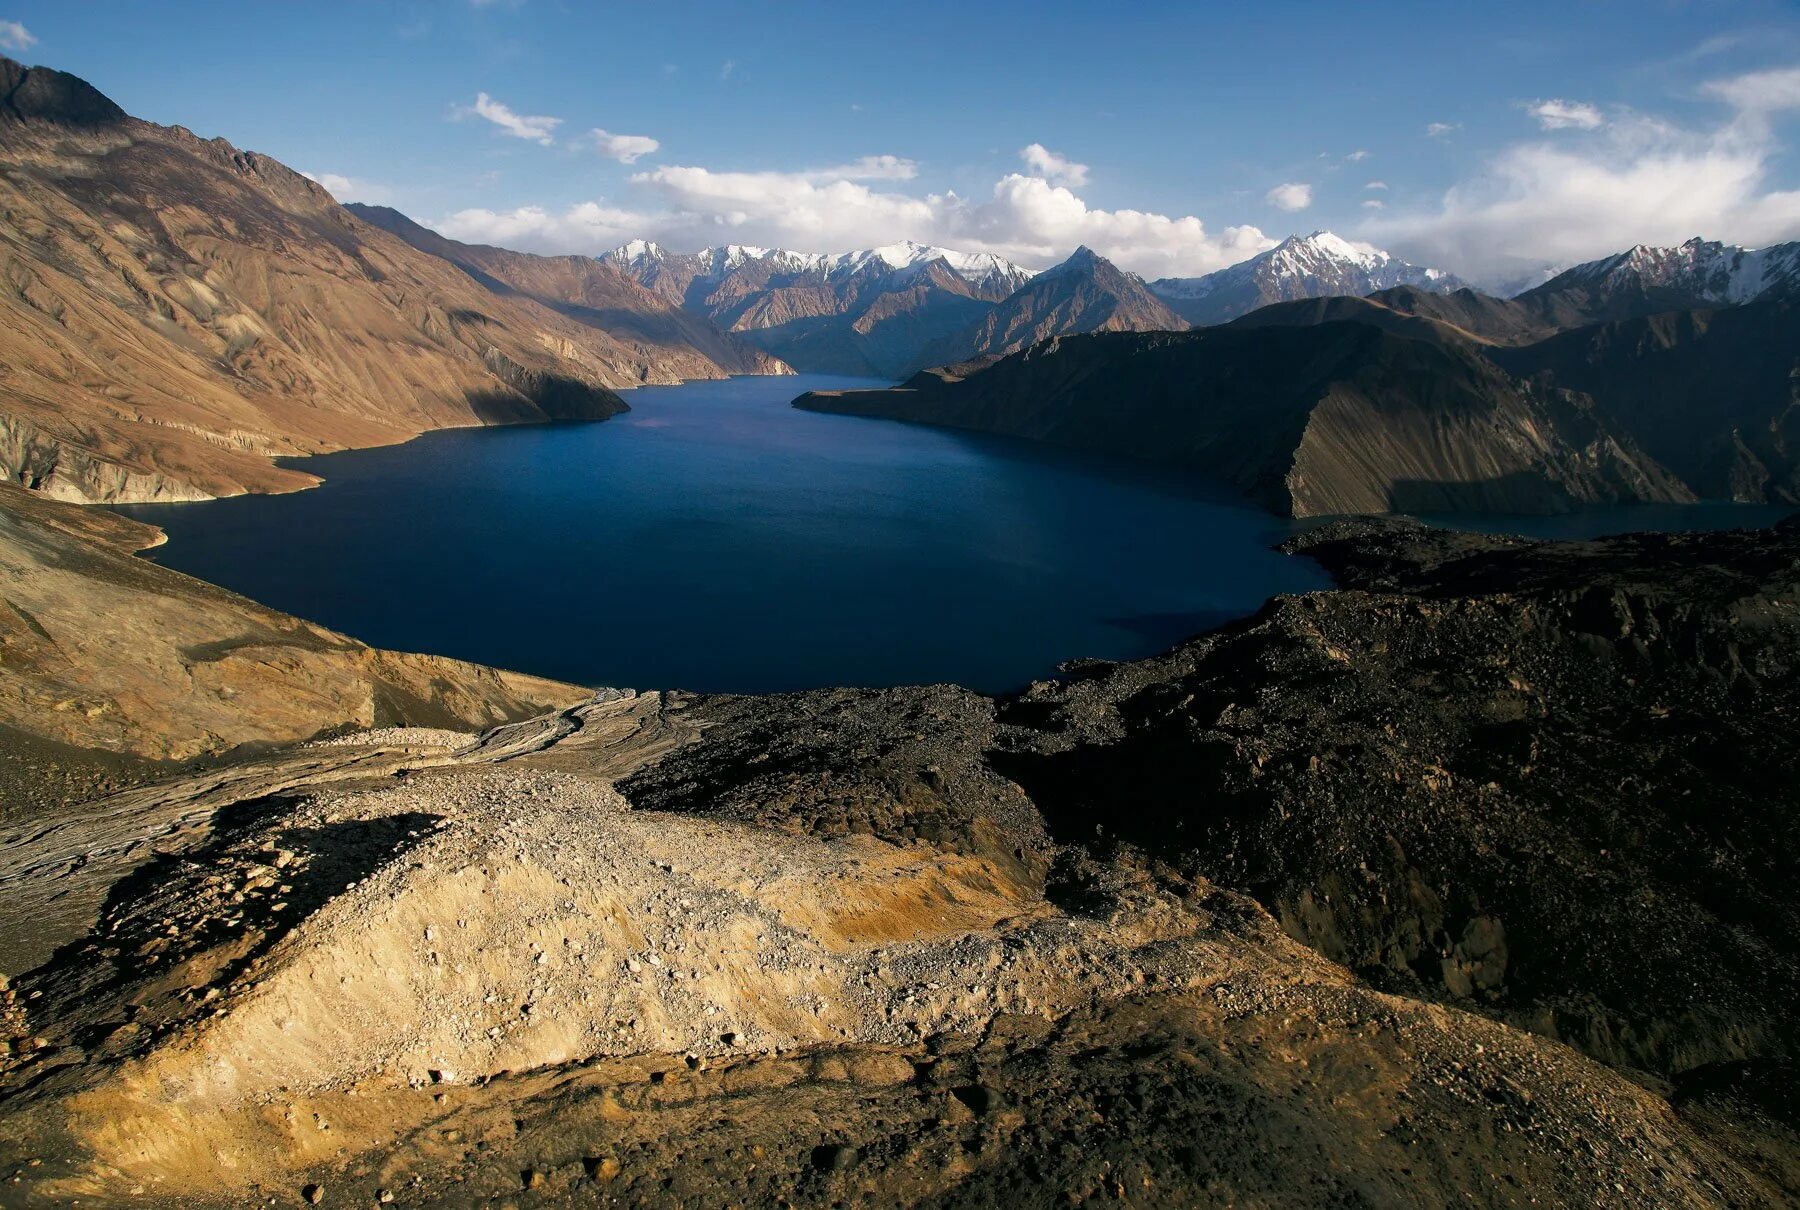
x: 1465, y: 880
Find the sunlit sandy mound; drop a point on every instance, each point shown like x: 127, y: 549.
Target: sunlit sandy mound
x: 514, y: 920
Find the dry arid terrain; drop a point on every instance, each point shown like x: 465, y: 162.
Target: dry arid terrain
x: 1465, y: 882
x: 175, y: 312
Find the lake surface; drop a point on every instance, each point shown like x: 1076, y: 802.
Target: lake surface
x: 715, y: 538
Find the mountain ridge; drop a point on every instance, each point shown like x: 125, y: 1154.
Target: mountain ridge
x: 176, y: 313
x: 1321, y: 264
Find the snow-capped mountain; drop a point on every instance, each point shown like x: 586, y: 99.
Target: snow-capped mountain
x: 651, y: 264
x: 1697, y: 273
x: 1086, y: 293
x: 869, y: 311
x: 1302, y: 266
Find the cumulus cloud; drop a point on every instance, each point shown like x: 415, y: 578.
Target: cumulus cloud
x: 349, y: 189
x: 1376, y: 185
x: 587, y: 227
x: 1053, y: 166
x: 14, y: 36
x: 1557, y: 114
x: 1641, y: 180
x: 1357, y: 156
x: 1435, y: 129
x: 625, y: 148
x: 1025, y: 218
x: 1374, y: 203
x: 537, y: 128
x: 1291, y: 196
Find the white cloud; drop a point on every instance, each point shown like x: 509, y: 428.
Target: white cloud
x: 14, y: 36
x: 1557, y: 114
x: 349, y: 189
x: 1642, y: 180
x: 1436, y: 129
x: 1291, y: 196
x: 625, y: 148
x: 1374, y: 203
x: 1760, y: 92
x: 1025, y: 218
x: 1357, y: 156
x: 871, y: 168
x: 726, y: 68
x: 587, y: 227
x: 520, y: 126
x: 1053, y: 166
x: 1376, y: 185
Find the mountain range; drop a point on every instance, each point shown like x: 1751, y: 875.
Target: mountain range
x: 1302, y: 266
x: 1658, y: 375
x: 176, y: 312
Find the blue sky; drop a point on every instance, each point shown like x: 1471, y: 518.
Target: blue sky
x: 1173, y: 137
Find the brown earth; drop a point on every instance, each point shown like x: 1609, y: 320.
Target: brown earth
x: 1464, y: 882
x: 112, y: 668
x: 175, y: 312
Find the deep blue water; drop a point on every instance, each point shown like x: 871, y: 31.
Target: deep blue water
x: 715, y: 538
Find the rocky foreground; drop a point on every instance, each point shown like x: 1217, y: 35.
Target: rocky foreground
x: 1469, y: 881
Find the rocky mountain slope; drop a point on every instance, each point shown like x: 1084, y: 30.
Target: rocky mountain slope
x: 1466, y: 882
x: 1644, y: 280
x: 1710, y: 394
x: 174, y: 312
x: 113, y: 667
x: 1320, y: 265
x: 1336, y: 418
x: 865, y: 312
x: 1086, y: 293
x: 1635, y: 284
x: 666, y: 339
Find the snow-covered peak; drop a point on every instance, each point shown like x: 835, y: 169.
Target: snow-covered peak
x: 982, y: 269
x: 1326, y: 246
x: 1302, y: 266
x: 1703, y: 270
x: 636, y: 251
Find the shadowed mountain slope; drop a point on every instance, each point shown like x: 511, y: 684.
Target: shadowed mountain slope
x: 1335, y: 418
x: 1086, y: 293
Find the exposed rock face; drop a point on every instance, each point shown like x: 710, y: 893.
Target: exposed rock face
x: 1710, y: 394
x: 1548, y: 779
x: 666, y: 342
x: 1320, y: 265
x: 1337, y: 418
x: 176, y: 312
x: 1086, y: 293
x: 108, y: 662
x: 919, y: 945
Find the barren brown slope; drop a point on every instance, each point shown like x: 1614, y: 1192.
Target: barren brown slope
x: 109, y: 663
x: 174, y: 311
x: 671, y: 342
